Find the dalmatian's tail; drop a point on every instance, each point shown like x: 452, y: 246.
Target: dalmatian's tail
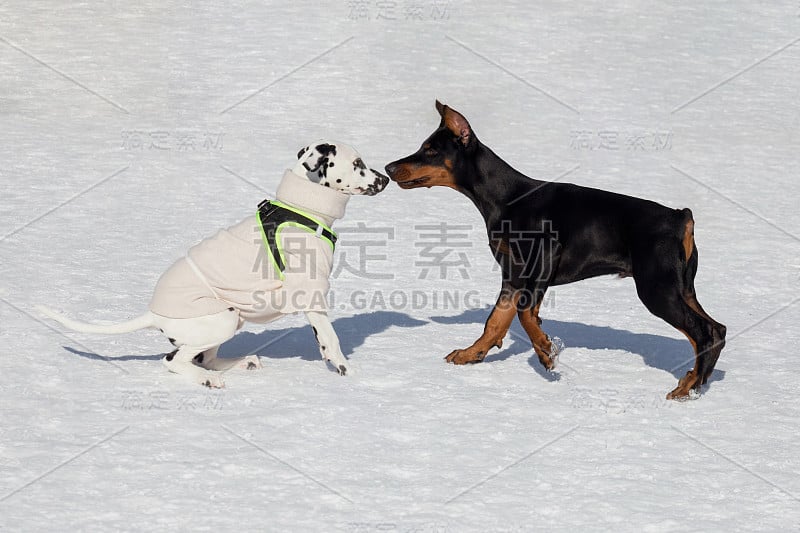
x: 141, y: 322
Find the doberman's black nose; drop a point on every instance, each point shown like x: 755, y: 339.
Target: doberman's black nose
x: 391, y: 168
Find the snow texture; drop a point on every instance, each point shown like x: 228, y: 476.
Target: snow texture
x: 132, y: 130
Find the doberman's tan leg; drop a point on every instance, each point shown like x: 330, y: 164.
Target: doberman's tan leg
x: 493, y: 332
x: 531, y: 323
x: 685, y: 385
x: 706, y: 334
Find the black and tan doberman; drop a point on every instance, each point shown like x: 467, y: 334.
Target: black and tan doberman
x: 547, y: 233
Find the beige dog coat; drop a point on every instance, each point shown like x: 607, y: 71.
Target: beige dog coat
x: 233, y: 268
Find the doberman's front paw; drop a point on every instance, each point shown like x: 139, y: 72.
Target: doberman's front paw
x: 464, y: 357
x: 688, y: 388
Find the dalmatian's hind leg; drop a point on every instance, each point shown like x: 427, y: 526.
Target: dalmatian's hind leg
x: 210, y: 361
x: 181, y: 361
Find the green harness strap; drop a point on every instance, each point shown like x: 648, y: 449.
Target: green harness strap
x: 273, y: 216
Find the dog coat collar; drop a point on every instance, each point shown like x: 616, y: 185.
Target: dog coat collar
x: 273, y: 216
x: 311, y: 197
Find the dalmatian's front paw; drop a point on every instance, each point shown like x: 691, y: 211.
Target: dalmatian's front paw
x: 212, y: 380
x: 250, y: 362
x: 338, y: 366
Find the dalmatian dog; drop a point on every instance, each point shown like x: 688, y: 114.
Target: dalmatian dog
x: 274, y: 263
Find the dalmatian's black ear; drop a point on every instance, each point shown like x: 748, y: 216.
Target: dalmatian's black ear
x: 316, y: 160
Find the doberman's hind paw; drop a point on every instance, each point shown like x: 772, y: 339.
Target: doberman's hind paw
x: 556, y: 347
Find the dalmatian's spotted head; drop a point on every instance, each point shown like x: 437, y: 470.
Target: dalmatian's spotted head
x: 338, y: 166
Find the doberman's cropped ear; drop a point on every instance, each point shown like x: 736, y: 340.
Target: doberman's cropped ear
x: 455, y: 122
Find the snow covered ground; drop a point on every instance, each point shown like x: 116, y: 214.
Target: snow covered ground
x: 132, y: 130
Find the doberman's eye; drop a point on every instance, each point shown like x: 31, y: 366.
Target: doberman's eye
x: 431, y: 152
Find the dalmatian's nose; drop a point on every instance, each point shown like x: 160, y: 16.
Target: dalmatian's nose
x: 378, y: 185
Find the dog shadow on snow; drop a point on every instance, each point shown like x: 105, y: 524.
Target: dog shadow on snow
x: 293, y: 342
x: 671, y: 355
x: 281, y: 343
